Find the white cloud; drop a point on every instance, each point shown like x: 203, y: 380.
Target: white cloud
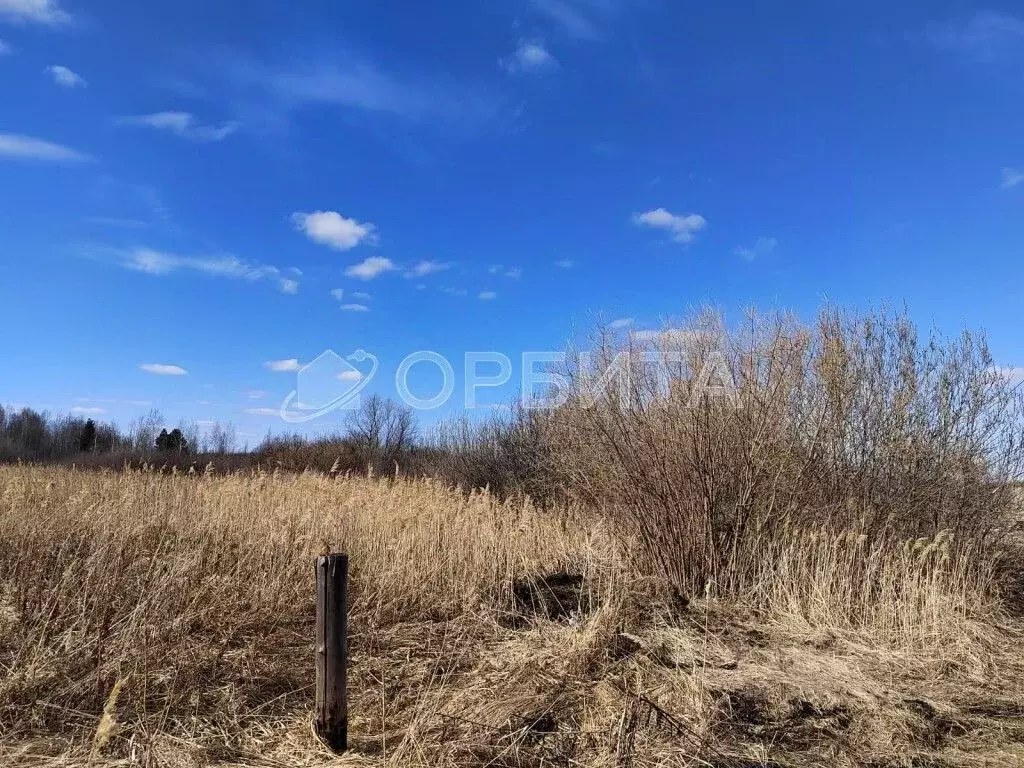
x: 683, y: 229
x: 565, y: 263
x: 28, y: 148
x: 256, y: 394
x: 370, y: 268
x: 622, y: 322
x: 487, y: 295
x: 530, y: 57
x: 162, y: 369
x: 513, y: 273
x: 5, y: 49
x: 355, y: 308
x: 1013, y: 374
x: 427, y: 267
x: 361, y: 296
x: 762, y: 247
x: 112, y: 221
x: 338, y: 293
x: 38, y: 11
x: 154, y: 262
x: 350, y: 376
x: 332, y: 229
x: 64, y: 77
x: 264, y: 411
x: 1011, y: 177
x: 81, y: 409
x: 349, y: 82
x: 283, y: 366
x: 574, y: 21
x: 183, y: 124
x: 985, y: 36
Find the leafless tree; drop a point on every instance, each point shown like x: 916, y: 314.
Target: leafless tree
x: 221, y: 438
x: 143, y: 431
x: 383, y: 432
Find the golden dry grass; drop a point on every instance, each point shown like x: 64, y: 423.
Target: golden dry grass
x: 148, y: 619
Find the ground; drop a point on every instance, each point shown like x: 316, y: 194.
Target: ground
x: 152, y: 620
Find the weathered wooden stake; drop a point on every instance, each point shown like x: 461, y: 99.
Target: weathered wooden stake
x: 331, y: 651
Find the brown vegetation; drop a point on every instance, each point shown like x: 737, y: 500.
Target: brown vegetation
x: 810, y: 571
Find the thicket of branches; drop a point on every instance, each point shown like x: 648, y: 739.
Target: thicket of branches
x: 855, y: 425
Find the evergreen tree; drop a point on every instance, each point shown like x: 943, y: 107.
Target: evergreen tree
x: 172, y: 442
x: 87, y: 440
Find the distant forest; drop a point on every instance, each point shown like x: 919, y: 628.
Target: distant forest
x: 30, y: 435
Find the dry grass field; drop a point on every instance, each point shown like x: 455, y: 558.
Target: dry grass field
x: 158, y: 620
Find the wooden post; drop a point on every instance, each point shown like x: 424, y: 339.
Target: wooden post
x: 331, y: 651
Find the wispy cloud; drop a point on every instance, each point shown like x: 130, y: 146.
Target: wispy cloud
x: 153, y: 262
x: 263, y: 411
x: 64, y: 77
x: 163, y: 369
x: 347, y: 81
x: 571, y: 17
x: 682, y: 228
x: 565, y: 263
x: 762, y: 247
x: 88, y: 410
x: 529, y: 57
x: 513, y: 273
x: 113, y: 221
x: 28, y: 148
x: 289, y: 365
x: 370, y: 268
x: 36, y: 11
x: 622, y: 322
x: 5, y: 49
x: 1011, y: 177
x: 424, y: 268
x: 985, y: 36
x: 339, y: 294
x: 487, y: 295
x: 256, y: 394
x: 183, y: 124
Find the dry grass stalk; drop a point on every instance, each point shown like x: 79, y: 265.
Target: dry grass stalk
x: 190, y: 597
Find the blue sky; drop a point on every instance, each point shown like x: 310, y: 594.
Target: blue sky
x: 192, y: 191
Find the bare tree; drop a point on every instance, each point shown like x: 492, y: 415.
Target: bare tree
x: 383, y: 432
x: 143, y: 431
x: 221, y: 438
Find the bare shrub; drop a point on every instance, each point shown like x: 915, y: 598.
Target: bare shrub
x: 854, y: 424
x: 505, y: 453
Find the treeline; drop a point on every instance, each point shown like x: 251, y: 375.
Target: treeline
x: 37, y: 436
x: 381, y: 438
